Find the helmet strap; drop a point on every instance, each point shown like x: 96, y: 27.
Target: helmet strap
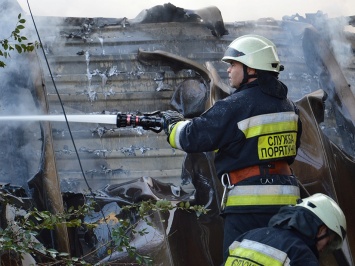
x: 323, y: 236
x: 246, y: 76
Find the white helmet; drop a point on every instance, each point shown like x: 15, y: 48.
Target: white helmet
x: 255, y: 52
x: 329, y: 212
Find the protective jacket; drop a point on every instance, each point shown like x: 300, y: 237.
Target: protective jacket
x: 271, y: 246
x: 253, y: 126
x: 290, y: 239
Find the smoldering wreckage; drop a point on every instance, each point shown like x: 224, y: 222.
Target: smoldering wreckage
x: 167, y: 57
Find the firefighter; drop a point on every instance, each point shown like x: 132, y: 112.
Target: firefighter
x: 296, y: 235
x: 255, y: 133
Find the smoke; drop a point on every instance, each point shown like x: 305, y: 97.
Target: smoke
x: 340, y: 45
x: 333, y: 30
x: 20, y: 143
x: 337, y: 125
x: 231, y: 10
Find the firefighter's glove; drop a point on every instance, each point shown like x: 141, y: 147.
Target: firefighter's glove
x: 170, y: 119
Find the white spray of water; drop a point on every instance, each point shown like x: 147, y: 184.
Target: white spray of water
x: 101, y: 119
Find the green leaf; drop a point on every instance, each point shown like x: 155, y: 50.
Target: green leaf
x: 20, y: 27
x: 22, y: 20
x: 19, y: 16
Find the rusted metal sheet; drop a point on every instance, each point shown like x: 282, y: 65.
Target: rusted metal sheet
x: 322, y: 167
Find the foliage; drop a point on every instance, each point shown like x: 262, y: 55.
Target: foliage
x: 19, y: 236
x: 18, y: 44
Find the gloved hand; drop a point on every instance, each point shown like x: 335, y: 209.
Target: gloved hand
x: 170, y: 119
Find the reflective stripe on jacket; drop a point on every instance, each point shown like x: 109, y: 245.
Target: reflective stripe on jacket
x: 252, y: 253
x: 263, y: 195
x: 175, y: 134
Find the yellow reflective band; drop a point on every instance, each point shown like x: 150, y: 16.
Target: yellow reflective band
x: 269, y: 123
x: 252, y: 253
x: 174, y: 137
x: 270, y: 128
x: 272, y: 190
x: 252, y: 200
x: 277, y: 146
x: 263, y: 195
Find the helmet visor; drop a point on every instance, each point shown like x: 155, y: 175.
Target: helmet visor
x: 231, y: 53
